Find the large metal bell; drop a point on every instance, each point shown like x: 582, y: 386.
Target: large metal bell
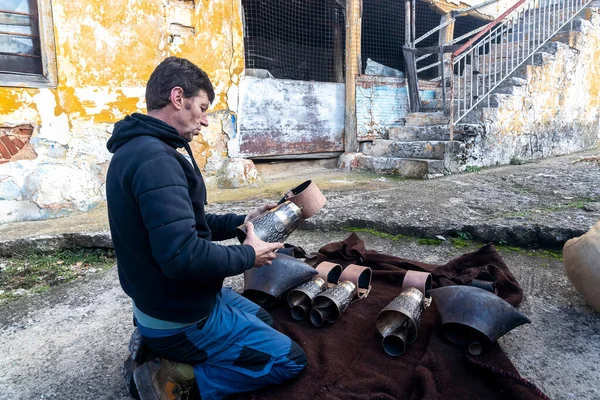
x: 398, y: 322
x: 475, y: 318
x: 266, y: 285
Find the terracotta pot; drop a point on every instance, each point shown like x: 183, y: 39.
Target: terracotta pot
x: 581, y: 259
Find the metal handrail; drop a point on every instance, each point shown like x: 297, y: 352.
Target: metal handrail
x: 493, y: 55
x: 489, y: 27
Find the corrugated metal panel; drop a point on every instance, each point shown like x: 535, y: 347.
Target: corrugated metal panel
x: 380, y: 102
x: 285, y: 117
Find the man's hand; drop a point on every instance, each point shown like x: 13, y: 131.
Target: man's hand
x: 265, y: 252
x: 259, y: 211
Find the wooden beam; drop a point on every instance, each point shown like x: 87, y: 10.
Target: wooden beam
x: 411, y: 80
x: 446, y: 36
x: 338, y: 49
x: 353, y: 65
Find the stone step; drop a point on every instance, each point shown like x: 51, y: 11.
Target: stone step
x: 432, y: 150
x: 405, y: 167
x: 426, y: 119
x: 419, y: 133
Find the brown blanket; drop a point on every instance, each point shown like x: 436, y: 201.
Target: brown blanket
x: 346, y: 359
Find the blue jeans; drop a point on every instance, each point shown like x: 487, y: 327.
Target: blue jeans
x: 235, y: 350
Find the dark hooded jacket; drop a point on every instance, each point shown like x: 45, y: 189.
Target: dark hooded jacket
x: 162, y: 236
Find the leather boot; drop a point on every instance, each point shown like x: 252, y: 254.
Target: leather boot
x: 161, y: 379
x: 138, y: 354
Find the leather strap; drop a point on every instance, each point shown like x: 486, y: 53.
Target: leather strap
x: 330, y: 272
x: 419, y: 280
x: 361, y: 277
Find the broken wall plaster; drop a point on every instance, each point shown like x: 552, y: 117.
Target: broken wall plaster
x: 105, y: 55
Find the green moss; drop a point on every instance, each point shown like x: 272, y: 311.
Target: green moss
x: 580, y: 204
x: 380, y: 234
x: 472, y: 168
x: 516, y: 161
x: 36, y: 273
x: 430, y: 242
x: 553, y: 254
x: 574, y: 205
x: 460, y: 243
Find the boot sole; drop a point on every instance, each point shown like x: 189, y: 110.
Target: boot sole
x: 127, y: 369
x: 146, y: 391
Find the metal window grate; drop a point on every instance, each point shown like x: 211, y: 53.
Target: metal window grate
x: 295, y: 39
x: 19, y: 37
x: 382, y: 36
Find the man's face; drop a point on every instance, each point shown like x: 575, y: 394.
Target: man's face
x: 191, y: 117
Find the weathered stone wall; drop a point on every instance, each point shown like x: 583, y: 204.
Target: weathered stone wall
x: 553, y: 109
x: 105, y: 53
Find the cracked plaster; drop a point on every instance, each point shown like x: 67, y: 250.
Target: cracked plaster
x: 105, y: 54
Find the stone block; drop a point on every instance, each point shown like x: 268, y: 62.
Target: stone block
x: 417, y: 149
x: 56, y: 187
x: 237, y: 173
x: 419, y: 133
x: 349, y: 160
x: 426, y: 119
x: 405, y: 167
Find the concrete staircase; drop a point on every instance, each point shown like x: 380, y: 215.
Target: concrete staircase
x: 420, y: 146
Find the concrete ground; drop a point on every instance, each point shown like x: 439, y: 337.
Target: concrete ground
x: 70, y: 341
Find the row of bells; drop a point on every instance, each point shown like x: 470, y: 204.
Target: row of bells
x: 473, y: 316
x: 326, y: 296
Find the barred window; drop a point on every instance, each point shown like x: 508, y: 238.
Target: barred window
x: 19, y: 37
x: 24, y: 36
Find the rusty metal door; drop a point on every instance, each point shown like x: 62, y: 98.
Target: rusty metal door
x: 278, y: 118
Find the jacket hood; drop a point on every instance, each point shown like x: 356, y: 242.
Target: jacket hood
x: 136, y: 124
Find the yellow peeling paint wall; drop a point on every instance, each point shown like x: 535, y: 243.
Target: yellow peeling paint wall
x: 105, y: 53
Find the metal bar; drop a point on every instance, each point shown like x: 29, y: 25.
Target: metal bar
x: 18, y: 34
x: 475, y: 67
x: 413, y: 20
x: 545, y: 20
x: 553, y: 16
x: 489, y: 27
x: 529, y: 30
x: 18, y: 13
x: 443, y: 84
x: 424, y: 57
x: 523, y: 42
x: 452, y: 112
x: 434, y: 30
x: 522, y: 34
x: 506, y: 49
x: 407, y: 23
x: 466, y: 35
x: 496, y: 62
x: 435, y: 64
x: 431, y: 50
x: 2, y: 53
x: 471, y: 86
x: 512, y: 44
x: 571, y: 24
x: 457, y: 13
x: 490, y: 68
x: 540, y: 23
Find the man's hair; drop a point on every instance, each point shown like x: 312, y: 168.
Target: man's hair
x: 172, y: 72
